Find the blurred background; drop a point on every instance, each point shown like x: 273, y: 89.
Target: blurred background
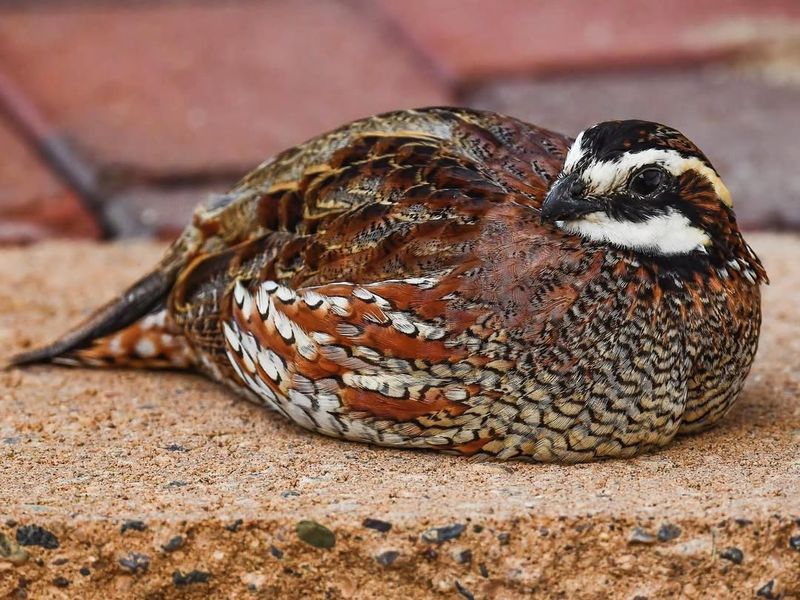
x: 117, y: 117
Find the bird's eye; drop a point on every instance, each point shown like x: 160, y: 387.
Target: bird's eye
x: 647, y: 181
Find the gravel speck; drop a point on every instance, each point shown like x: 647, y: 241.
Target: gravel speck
x: 377, y: 525
x: 135, y: 562
x: 316, y: 535
x: 134, y: 525
x: 61, y: 582
x: 386, y: 559
x: 33, y: 535
x: 11, y: 551
x: 484, y: 571
x: 463, y: 557
x: 464, y: 591
x: 640, y: 536
x: 276, y: 552
x: 180, y: 579
x: 85, y: 571
x: 430, y: 554
x: 732, y: 554
x: 234, y: 527
x: 173, y: 544
x: 438, y: 535
x: 767, y: 591
x: 175, y: 448
x: 504, y: 538
x: 794, y: 543
x: 668, y: 532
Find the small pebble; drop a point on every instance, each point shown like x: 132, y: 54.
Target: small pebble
x: 134, y: 525
x: 135, y: 562
x: 732, y: 554
x: 377, y: 525
x: 11, y: 551
x: 463, y: 557
x: 767, y: 591
x: 386, y: 559
x: 464, y: 591
x: 640, y: 536
x: 484, y: 571
x: 61, y: 582
x: 503, y: 538
x: 316, y: 535
x: 234, y: 527
x: 33, y: 535
x: 794, y: 543
x: 175, y: 448
x: 477, y: 528
x: 438, y: 535
x: 60, y: 561
x: 85, y: 571
x: 430, y: 554
x: 173, y: 544
x: 668, y: 532
x: 276, y: 552
x: 180, y: 579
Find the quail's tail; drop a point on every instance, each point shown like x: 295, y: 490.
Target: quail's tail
x: 131, y: 330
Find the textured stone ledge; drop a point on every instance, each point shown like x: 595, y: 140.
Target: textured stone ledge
x: 125, y: 484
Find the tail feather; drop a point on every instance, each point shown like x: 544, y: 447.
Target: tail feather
x: 131, y: 330
x: 147, y: 343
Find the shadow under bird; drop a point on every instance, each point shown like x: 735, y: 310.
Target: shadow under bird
x: 461, y: 281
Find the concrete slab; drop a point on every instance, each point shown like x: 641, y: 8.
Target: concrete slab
x: 163, y: 485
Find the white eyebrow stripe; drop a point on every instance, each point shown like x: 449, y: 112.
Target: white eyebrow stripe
x: 602, y: 177
x: 574, y: 154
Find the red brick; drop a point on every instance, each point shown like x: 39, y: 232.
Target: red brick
x: 469, y: 39
x: 193, y: 88
x: 33, y: 203
x: 159, y: 212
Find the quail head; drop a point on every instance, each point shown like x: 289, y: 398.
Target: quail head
x: 460, y: 281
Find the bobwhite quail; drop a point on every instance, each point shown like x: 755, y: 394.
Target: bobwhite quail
x: 460, y: 281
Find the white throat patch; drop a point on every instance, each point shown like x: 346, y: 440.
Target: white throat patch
x: 668, y: 234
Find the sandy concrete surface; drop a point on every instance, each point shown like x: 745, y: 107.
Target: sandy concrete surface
x: 163, y: 485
